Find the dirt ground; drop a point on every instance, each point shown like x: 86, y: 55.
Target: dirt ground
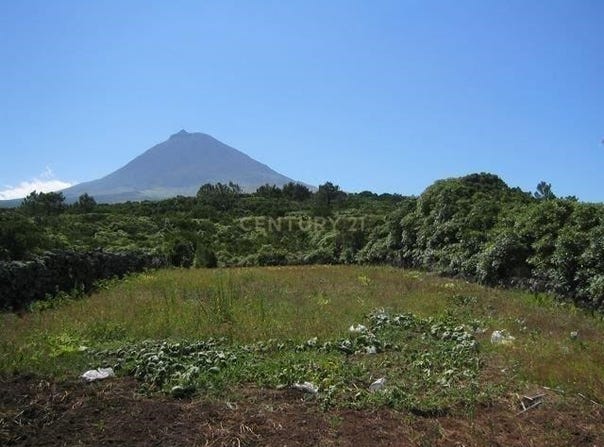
x: 37, y: 412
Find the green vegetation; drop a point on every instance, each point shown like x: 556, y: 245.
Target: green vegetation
x: 210, y: 332
x: 473, y: 227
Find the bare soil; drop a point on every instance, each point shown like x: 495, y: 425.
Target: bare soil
x: 39, y: 412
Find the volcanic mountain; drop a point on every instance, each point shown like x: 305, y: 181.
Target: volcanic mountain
x: 179, y: 166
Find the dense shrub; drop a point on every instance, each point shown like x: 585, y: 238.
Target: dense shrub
x: 503, y: 260
x: 479, y: 228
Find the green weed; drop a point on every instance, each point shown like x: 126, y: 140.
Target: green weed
x: 291, y: 324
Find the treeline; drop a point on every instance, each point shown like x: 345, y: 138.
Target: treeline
x: 475, y: 227
x: 220, y: 226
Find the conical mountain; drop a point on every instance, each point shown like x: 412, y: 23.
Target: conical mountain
x: 179, y: 166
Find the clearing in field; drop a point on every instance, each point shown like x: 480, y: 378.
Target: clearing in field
x: 302, y: 356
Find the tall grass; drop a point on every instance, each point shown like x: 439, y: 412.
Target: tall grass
x: 297, y: 303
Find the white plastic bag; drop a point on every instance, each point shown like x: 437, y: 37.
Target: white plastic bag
x: 357, y: 329
x: 306, y: 387
x: 574, y: 335
x: 377, y: 385
x: 98, y: 374
x: 501, y: 338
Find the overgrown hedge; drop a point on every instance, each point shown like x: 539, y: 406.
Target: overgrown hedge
x: 23, y: 282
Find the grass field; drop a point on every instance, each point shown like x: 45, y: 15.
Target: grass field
x: 212, y: 334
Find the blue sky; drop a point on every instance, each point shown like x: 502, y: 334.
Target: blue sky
x: 385, y: 96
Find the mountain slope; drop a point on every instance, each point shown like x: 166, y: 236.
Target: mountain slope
x: 179, y: 166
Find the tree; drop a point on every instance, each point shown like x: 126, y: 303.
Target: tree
x: 269, y: 191
x: 296, y: 191
x: 44, y: 204
x: 85, y: 203
x: 325, y: 198
x: 219, y: 196
x: 328, y: 194
x: 544, y: 191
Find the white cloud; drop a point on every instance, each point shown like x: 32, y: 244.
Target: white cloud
x: 45, y: 182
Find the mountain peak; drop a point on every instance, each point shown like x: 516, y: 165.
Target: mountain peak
x: 181, y: 133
